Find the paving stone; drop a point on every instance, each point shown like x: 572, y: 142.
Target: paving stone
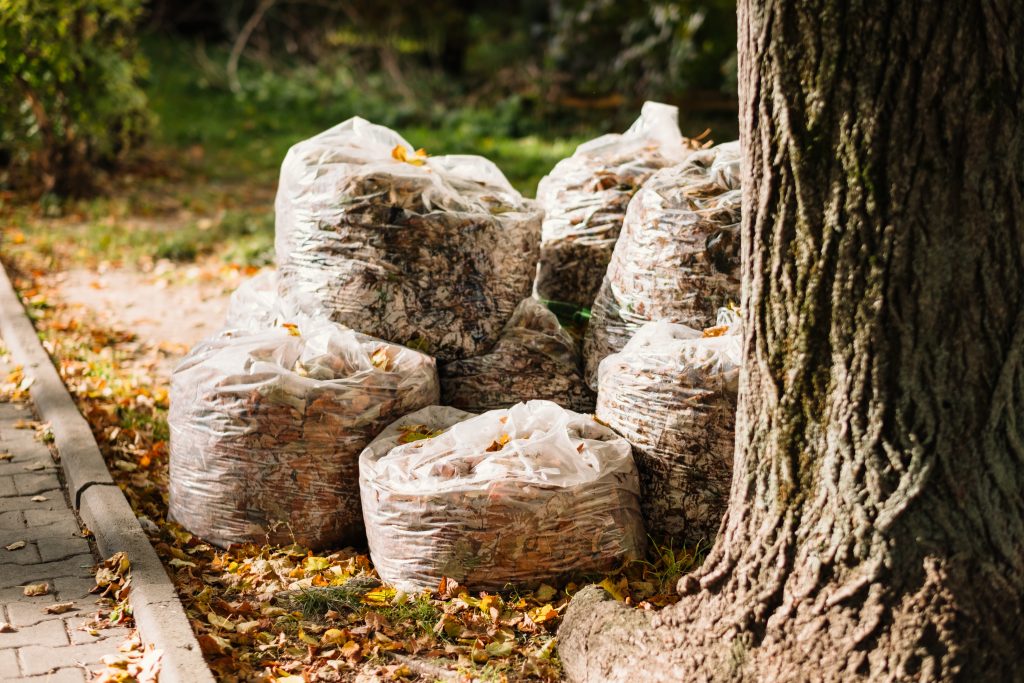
x: 35, y: 483
x: 50, y: 634
x: 74, y: 588
x: 17, y: 594
x: 66, y: 675
x: 23, y: 556
x: 35, y: 517
x: 17, y: 575
x: 9, y: 664
x: 7, y: 487
x: 36, y: 660
x: 79, y: 632
x: 12, y: 521
x: 68, y: 528
x: 23, y: 614
x: 16, y: 502
x: 51, y: 549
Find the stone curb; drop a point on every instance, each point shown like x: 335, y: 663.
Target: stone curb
x: 158, y: 613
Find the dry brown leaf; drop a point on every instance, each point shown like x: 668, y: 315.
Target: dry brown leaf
x: 36, y: 589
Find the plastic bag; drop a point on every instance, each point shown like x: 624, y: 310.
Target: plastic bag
x: 515, y: 496
x: 585, y: 198
x: 672, y: 393
x: 533, y: 359
x: 255, y: 305
x: 267, y: 427
x: 677, y: 258
x: 431, y: 252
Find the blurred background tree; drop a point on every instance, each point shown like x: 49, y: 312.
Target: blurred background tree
x: 245, y: 78
x: 70, y: 100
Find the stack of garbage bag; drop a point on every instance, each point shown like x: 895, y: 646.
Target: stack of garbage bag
x: 515, y: 496
x: 585, y: 197
x: 430, y: 252
x: 671, y: 392
x: 533, y: 359
x: 677, y: 257
x: 267, y: 427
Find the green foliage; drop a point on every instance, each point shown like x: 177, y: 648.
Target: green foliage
x: 70, y: 99
x: 653, y: 50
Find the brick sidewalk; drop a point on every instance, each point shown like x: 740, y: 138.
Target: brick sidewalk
x: 43, y: 647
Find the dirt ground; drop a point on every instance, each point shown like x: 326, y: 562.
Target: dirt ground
x: 170, y: 307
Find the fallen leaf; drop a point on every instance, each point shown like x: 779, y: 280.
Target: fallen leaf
x: 545, y: 593
x: 39, y: 499
x: 543, y: 613
x: 247, y: 627
x: 17, y: 545
x: 34, y: 589
x: 6, y: 456
x: 350, y: 650
x: 6, y: 628
x: 59, y: 608
x: 220, y: 622
x: 502, y: 649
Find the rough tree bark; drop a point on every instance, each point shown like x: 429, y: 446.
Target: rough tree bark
x: 876, y: 519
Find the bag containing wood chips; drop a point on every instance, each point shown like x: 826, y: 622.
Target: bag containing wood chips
x: 672, y: 393
x: 677, y: 257
x: 533, y: 359
x: 431, y: 252
x: 267, y: 427
x: 585, y: 198
x: 515, y: 496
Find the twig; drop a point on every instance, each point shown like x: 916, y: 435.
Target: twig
x: 240, y: 42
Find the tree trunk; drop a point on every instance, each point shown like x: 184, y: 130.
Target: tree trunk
x: 876, y: 519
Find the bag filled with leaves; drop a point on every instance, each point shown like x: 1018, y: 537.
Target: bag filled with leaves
x: 267, y: 428
x: 585, y: 198
x: 533, y: 359
x: 677, y: 257
x: 515, y: 496
x: 255, y: 304
x: 672, y: 393
x: 431, y: 252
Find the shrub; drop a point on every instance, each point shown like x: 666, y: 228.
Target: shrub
x: 70, y: 100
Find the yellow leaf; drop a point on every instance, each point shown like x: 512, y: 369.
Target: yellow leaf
x: 380, y: 359
x: 350, y: 649
x: 613, y: 589
x: 418, y: 158
x: 543, y: 613
x: 307, y: 639
x: 315, y: 564
x: 716, y: 331
x: 487, y: 602
x: 545, y: 593
x: 379, y: 596
x: 292, y: 328
x: 332, y: 635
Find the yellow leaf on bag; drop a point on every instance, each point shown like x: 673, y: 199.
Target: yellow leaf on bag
x: 418, y: 158
x: 292, y: 328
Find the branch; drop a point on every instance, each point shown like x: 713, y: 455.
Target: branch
x: 240, y: 42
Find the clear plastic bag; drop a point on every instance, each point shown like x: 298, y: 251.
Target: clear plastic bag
x: 533, y: 359
x: 255, y: 305
x: 585, y: 198
x: 515, y: 496
x: 431, y: 252
x: 677, y: 257
x: 671, y: 392
x: 267, y: 428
